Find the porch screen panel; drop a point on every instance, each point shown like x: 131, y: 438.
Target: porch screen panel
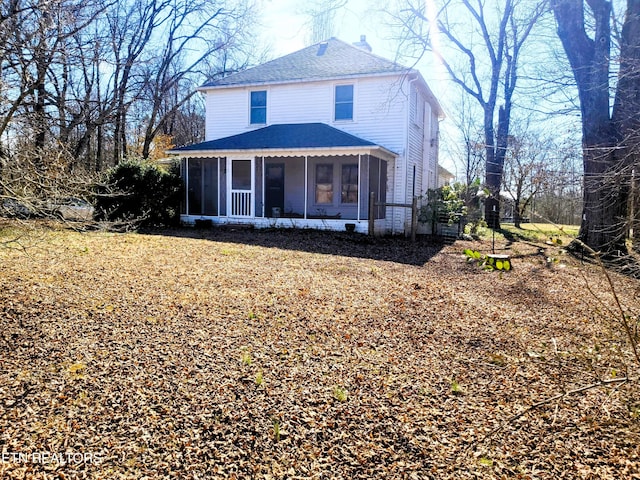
x: 241, y: 178
x: 210, y: 187
x: 381, y: 212
x: 374, y: 184
x: 366, y: 165
x: 183, y: 176
x: 223, y: 186
x: 195, y: 186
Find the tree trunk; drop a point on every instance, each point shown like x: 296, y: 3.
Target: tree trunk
x: 605, y: 199
x: 493, y: 174
x: 625, y: 113
x: 635, y: 210
x: 99, y: 154
x: 517, y: 218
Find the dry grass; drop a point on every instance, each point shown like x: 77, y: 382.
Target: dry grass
x: 256, y: 354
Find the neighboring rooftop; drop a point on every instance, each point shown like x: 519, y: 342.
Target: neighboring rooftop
x: 329, y: 59
x: 283, y: 136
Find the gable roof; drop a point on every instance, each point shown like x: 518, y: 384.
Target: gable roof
x: 289, y: 136
x: 332, y: 58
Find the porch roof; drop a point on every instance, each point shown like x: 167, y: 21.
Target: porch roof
x: 287, y: 139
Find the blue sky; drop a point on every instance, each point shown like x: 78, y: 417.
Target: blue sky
x: 284, y: 25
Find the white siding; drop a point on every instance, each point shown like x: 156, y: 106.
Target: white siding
x: 379, y: 109
x: 384, y: 113
x: 227, y: 113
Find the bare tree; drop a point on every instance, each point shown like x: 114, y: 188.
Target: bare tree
x: 525, y: 171
x: 169, y: 78
x: 466, y: 144
x: 609, y: 133
x: 489, y: 43
x: 85, y: 80
x: 321, y: 16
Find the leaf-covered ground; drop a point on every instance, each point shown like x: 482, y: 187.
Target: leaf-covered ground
x: 300, y: 354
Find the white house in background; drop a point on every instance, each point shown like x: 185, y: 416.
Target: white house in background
x: 303, y: 141
x: 445, y: 177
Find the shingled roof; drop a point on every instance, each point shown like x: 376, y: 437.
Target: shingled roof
x: 329, y: 59
x: 288, y: 136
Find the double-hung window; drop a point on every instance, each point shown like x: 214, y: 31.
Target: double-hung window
x: 344, y: 102
x: 258, y: 113
x: 349, y: 183
x: 324, y: 183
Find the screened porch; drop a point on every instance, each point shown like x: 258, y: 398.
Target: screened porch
x: 304, y: 189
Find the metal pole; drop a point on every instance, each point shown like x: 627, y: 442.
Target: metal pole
x: 372, y: 199
x: 493, y: 229
x: 414, y: 218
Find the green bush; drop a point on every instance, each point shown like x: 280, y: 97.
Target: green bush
x: 443, y: 205
x: 140, y: 192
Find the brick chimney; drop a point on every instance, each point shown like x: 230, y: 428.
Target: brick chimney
x: 363, y: 43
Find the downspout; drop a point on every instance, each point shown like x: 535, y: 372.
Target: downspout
x: 437, y: 155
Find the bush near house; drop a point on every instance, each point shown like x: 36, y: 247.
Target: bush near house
x: 140, y: 192
x: 443, y: 205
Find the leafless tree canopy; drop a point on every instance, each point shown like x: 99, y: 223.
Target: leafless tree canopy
x: 106, y: 79
x: 480, y: 45
x: 321, y: 16
x: 87, y: 83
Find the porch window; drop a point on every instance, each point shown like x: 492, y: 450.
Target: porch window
x: 349, y: 183
x: 259, y: 107
x: 324, y: 183
x: 344, y: 102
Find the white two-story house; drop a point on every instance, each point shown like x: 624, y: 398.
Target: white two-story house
x: 306, y: 140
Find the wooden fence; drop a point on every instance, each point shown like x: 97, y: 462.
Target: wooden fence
x: 414, y: 213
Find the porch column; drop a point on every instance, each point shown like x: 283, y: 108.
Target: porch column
x: 359, y: 183
x: 264, y: 186
x: 306, y: 185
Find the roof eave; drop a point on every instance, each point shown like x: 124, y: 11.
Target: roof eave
x: 204, y: 88
x: 377, y: 150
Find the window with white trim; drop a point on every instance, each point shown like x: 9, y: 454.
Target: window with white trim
x: 343, y: 102
x: 258, y: 109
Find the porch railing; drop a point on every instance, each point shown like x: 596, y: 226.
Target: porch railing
x: 241, y: 203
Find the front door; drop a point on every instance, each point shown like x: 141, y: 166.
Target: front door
x: 241, y: 188
x: 274, y: 189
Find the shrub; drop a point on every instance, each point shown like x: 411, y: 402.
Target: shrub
x: 140, y: 192
x: 443, y: 206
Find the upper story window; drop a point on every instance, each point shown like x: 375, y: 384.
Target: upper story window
x: 258, y: 114
x: 344, y: 102
x: 417, y: 108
